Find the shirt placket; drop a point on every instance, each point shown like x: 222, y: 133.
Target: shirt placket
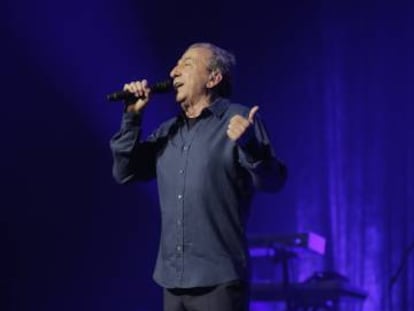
x: 187, y: 136
x: 181, y: 196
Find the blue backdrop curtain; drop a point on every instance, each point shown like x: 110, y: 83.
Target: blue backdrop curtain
x: 345, y: 98
x: 334, y: 80
x: 358, y: 190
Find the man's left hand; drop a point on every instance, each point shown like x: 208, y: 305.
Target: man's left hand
x: 238, y: 124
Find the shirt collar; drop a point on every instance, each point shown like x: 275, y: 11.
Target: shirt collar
x: 219, y: 106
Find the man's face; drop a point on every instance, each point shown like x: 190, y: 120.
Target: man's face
x: 191, y: 75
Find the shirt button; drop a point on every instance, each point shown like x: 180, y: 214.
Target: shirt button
x: 180, y: 196
x: 179, y: 222
x: 181, y: 171
x: 179, y: 248
x: 185, y: 148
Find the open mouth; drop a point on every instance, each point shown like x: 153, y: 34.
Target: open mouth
x: 177, y: 85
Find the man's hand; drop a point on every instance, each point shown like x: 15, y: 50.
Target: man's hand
x: 238, y: 124
x: 141, y: 91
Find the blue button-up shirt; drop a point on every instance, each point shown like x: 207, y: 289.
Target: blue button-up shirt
x: 205, y: 182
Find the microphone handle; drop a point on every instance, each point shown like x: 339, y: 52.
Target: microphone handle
x: 158, y: 88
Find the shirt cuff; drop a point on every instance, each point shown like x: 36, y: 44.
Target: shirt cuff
x: 250, y: 149
x: 131, y: 119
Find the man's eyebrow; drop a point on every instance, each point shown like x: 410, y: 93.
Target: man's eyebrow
x: 186, y: 59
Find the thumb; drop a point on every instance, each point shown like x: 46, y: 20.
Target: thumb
x: 252, y: 112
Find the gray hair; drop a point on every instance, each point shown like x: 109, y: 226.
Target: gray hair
x: 222, y: 61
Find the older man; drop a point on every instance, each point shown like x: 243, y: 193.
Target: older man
x: 207, y: 161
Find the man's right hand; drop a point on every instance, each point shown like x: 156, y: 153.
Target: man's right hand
x: 141, y: 90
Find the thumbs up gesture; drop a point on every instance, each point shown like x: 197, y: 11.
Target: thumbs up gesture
x: 238, y: 124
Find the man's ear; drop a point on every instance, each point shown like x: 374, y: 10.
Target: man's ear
x: 215, y: 78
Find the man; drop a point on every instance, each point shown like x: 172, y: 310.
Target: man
x: 207, y: 161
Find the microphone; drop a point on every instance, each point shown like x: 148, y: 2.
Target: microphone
x: 157, y: 88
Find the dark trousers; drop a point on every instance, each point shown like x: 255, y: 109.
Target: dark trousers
x: 231, y: 296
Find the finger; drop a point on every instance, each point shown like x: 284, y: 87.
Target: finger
x: 252, y: 113
x: 128, y: 87
x: 132, y: 88
x: 138, y: 88
x: 234, y: 131
x: 232, y: 135
x: 238, y: 127
x: 238, y: 119
x: 145, y: 87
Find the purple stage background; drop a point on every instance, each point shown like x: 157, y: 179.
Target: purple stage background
x: 334, y: 80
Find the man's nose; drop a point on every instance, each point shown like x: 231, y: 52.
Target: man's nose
x: 175, y: 72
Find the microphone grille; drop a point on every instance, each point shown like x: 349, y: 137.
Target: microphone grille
x: 162, y: 86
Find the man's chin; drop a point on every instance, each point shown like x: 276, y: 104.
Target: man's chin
x: 179, y: 99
